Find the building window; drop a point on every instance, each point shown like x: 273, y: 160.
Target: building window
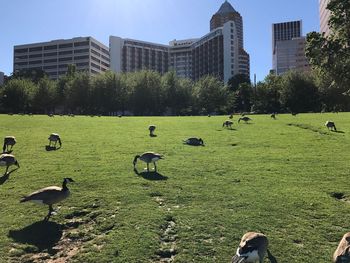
x: 50, y: 54
x: 32, y: 49
x: 69, y: 52
x: 80, y: 44
x: 65, y: 59
x: 81, y: 50
x: 66, y: 45
x: 50, y: 60
x: 35, y: 56
x: 50, y: 47
x: 81, y: 57
x: 22, y: 50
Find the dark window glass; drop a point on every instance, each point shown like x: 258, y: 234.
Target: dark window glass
x: 21, y: 57
x: 95, y: 45
x: 65, y: 52
x: 50, y: 67
x: 63, y: 66
x: 21, y: 63
x: 50, y: 54
x: 95, y: 66
x: 50, y: 47
x: 95, y: 52
x: 105, y: 51
x: 65, y: 59
x: 50, y: 60
x: 81, y: 57
x: 95, y: 59
x: 35, y: 49
x: 105, y: 64
x: 35, y: 56
x: 22, y: 50
x: 66, y: 45
x: 80, y: 44
x: 83, y: 64
x: 104, y: 57
x: 81, y: 50
x: 35, y: 62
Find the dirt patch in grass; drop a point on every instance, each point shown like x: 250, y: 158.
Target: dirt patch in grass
x: 308, y: 127
x: 82, y: 227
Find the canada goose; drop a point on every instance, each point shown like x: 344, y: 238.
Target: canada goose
x: 148, y: 157
x: 252, y: 248
x: 294, y: 114
x: 228, y: 124
x: 8, y: 160
x: 151, y: 129
x: 245, y: 119
x: 54, y: 137
x: 194, y: 141
x: 231, y: 116
x: 8, y: 141
x: 342, y: 253
x: 49, y: 195
x: 273, y: 116
x: 330, y: 124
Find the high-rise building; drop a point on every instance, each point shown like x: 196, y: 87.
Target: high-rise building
x: 288, y: 47
x: 219, y: 53
x: 2, y: 76
x: 324, y: 17
x: 53, y: 57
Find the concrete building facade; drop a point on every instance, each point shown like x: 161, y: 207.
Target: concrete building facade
x: 324, y: 17
x: 53, y: 57
x: 288, y: 47
x: 219, y: 53
x: 2, y: 76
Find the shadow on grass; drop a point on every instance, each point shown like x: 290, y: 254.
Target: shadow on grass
x: 153, y: 135
x: 338, y: 131
x: 51, y: 148
x: 43, y: 235
x: 152, y: 175
x: 6, y: 176
x: 271, y: 257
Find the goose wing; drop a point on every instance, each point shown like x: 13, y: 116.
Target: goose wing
x: 46, y: 194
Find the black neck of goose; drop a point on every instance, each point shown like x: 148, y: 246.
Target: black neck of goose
x: 64, y: 185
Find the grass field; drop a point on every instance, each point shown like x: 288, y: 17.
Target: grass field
x: 287, y: 178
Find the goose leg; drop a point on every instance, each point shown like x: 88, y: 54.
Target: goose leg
x: 49, y: 214
x: 7, y: 168
x: 147, y: 167
x: 155, y: 167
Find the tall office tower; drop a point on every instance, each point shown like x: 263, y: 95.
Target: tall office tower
x: 227, y: 13
x: 324, y: 17
x: 53, y: 57
x: 2, y: 76
x: 288, y: 47
x: 219, y: 53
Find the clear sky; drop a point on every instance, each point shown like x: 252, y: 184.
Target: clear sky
x: 159, y: 21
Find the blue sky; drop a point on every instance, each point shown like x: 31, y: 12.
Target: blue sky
x: 159, y: 21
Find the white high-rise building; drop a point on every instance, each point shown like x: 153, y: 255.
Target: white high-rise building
x: 324, y: 17
x: 219, y: 53
x: 53, y: 57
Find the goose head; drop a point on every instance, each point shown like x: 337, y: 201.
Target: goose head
x: 135, y: 159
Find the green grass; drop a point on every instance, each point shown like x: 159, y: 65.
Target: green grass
x: 287, y: 178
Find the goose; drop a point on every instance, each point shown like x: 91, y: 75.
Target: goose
x: 228, y: 124
x: 148, y: 157
x: 49, y: 196
x: 231, y: 116
x: 252, y: 248
x: 8, y: 160
x: 330, y: 124
x: 273, y: 116
x: 342, y: 253
x: 194, y: 141
x: 54, y: 137
x: 245, y: 119
x: 151, y: 129
x: 8, y: 141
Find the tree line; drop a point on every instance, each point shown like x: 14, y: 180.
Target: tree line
x: 326, y: 87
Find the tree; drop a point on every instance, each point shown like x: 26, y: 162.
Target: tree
x: 44, y: 96
x: 210, y: 95
x: 330, y: 56
x: 299, y: 92
x: 234, y: 82
x: 16, y: 95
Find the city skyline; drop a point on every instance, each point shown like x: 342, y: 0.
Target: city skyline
x: 149, y: 21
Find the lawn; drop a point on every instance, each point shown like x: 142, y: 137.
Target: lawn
x: 287, y: 178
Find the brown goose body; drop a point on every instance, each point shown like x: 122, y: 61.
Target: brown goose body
x: 227, y: 123
x: 151, y: 129
x: 55, y: 137
x: 49, y: 195
x: 330, y: 125
x: 251, y: 249
x: 342, y: 253
x: 148, y: 157
x: 8, y: 160
x: 245, y: 119
x: 8, y: 141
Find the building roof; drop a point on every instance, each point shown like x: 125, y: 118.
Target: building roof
x: 226, y: 8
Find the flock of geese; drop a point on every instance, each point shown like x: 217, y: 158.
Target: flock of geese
x: 252, y: 247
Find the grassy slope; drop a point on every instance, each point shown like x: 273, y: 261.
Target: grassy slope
x: 266, y: 176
